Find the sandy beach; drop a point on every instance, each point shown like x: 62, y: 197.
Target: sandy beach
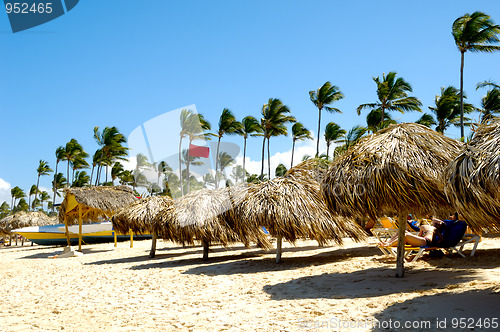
x: 239, y: 289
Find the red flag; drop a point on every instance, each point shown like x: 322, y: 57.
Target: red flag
x: 198, y: 151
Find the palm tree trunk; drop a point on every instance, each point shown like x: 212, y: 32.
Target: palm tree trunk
x: 97, y: 174
x: 37, y: 183
x: 268, y: 159
x: 187, y: 168
x: 54, y: 186
x: 263, y: 154
x: 462, y: 134
x: 106, y: 173
x: 217, y: 164
x: 92, y: 174
x: 244, y: 157
x: 319, y: 129
x: 180, y: 167
x: 67, y: 173
x: 327, y: 151
x: 293, y: 148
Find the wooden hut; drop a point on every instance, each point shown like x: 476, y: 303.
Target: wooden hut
x: 92, y: 204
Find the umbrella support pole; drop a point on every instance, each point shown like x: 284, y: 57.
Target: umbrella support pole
x: 400, y: 268
x: 131, y: 239
x: 205, y: 250
x: 279, y: 241
x: 152, y: 253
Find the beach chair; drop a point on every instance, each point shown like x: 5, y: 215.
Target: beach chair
x: 454, y: 240
x: 388, y: 229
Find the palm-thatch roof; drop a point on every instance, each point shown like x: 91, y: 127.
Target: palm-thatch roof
x: 25, y: 219
x: 95, y: 202
x: 292, y: 208
x: 314, y: 168
x: 399, y: 168
x: 473, y: 178
x: 140, y: 216
x: 208, y: 216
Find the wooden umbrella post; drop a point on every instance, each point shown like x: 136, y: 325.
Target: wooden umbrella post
x: 152, y: 253
x: 79, y: 227
x: 205, y: 249
x: 400, y: 268
x: 67, y: 230
x: 131, y: 239
x: 279, y: 241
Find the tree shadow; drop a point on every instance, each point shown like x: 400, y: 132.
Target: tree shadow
x: 443, y: 311
x: 231, y: 264
x: 371, y: 282
x: 483, y: 258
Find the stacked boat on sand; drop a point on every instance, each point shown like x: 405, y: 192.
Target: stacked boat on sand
x: 91, y: 233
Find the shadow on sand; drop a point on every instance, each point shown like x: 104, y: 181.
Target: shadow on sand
x: 444, y: 310
x: 58, y: 252
x: 232, y: 264
x: 371, y: 282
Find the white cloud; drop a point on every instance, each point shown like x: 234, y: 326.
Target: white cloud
x: 301, y: 149
x: 4, y: 191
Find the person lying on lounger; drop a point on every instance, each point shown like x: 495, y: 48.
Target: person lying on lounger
x: 429, y: 235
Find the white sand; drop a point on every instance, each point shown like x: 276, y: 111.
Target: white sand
x: 238, y: 289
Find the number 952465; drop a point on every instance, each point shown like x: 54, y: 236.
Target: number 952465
x: 25, y: 8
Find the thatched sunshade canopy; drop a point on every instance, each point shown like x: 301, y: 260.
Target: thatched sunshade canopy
x: 95, y: 203
x: 140, y: 216
x: 25, y: 219
x: 397, y: 169
x: 208, y: 216
x: 292, y: 208
x: 473, y: 178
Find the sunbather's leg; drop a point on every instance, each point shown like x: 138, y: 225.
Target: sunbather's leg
x: 410, y: 239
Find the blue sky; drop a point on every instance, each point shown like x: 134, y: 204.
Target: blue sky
x: 122, y: 62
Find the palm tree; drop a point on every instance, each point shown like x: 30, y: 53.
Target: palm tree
x: 237, y: 173
x: 21, y: 206
x: 392, y: 96
x: 250, y: 125
x: 4, y: 210
x: 299, y: 133
x: 192, y: 126
x: 116, y: 170
x: 81, y: 179
x: 58, y: 183
x: 30, y: 193
x: 44, y: 196
x: 426, y: 120
x: 111, y: 142
x: 474, y: 32
x: 351, y: 138
x: 225, y: 160
x: 447, y: 109
x: 95, y: 162
x: 43, y: 169
x: 280, y: 170
x: 490, y: 104
x: 127, y: 178
x: 227, y: 125
x: 333, y: 133
x: 60, y: 155
x: 163, y: 167
x: 72, y: 150
x: 322, y: 98
x: 374, y: 120
x: 16, y: 193
x: 274, y: 119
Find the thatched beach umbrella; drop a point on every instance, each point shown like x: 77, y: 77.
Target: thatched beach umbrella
x: 292, y: 208
x: 399, y: 168
x: 140, y: 217
x: 91, y: 204
x: 473, y: 178
x: 25, y: 219
x: 208, y: 216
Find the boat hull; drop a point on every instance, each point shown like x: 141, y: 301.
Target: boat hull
x: 55, y: 235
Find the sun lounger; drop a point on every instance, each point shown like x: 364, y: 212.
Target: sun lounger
x: 388, y: 229
x: 454, y: 241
